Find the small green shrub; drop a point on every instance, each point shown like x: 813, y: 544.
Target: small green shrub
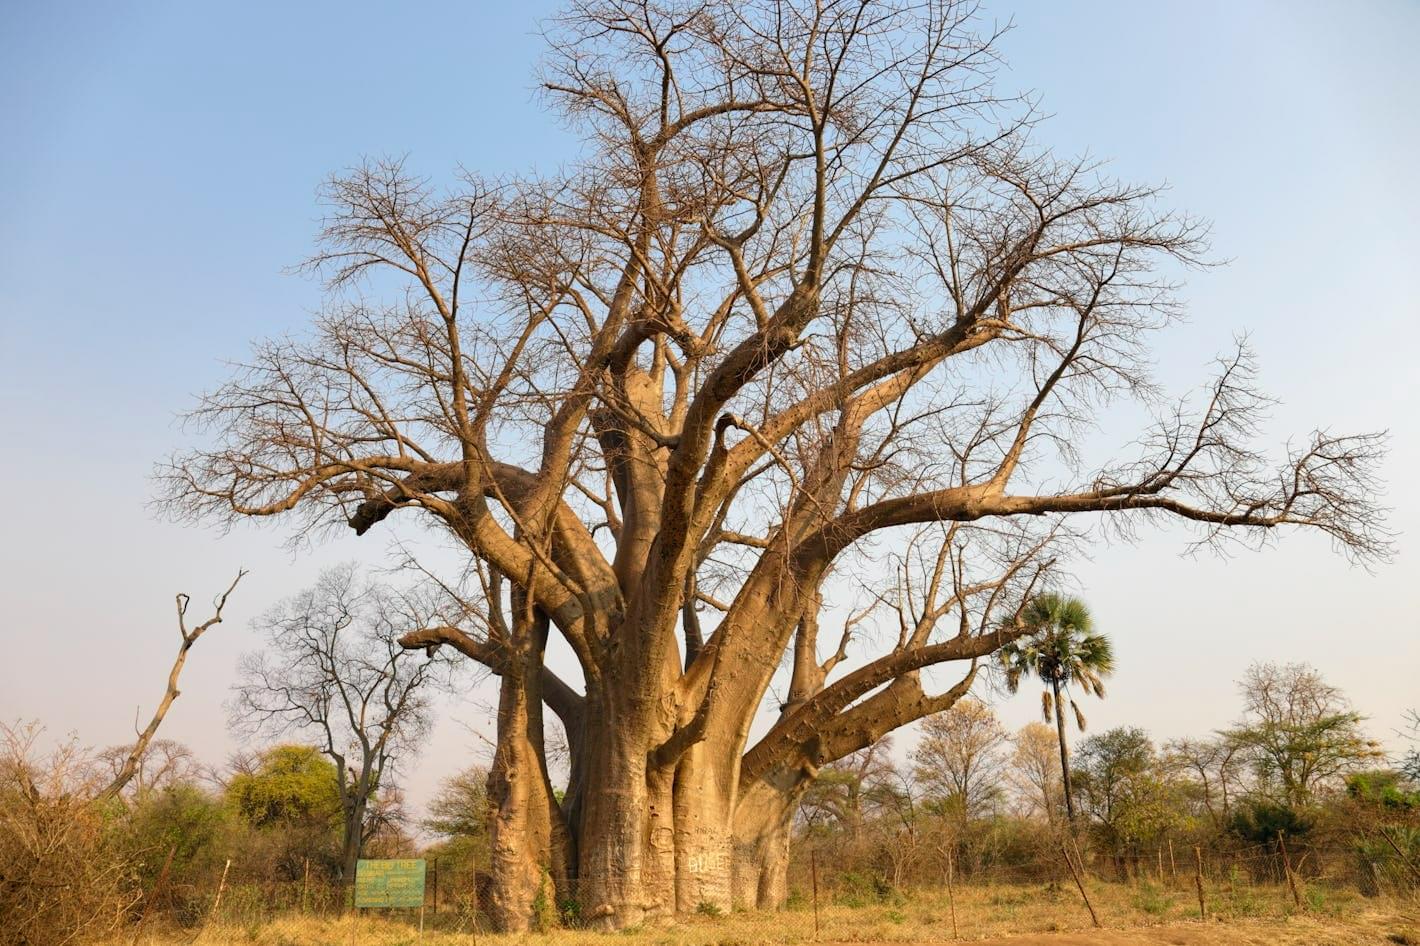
x: 1153, y: 900
x: 858, y: 888
x: 544, y: 916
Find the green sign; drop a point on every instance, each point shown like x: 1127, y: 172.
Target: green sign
x: 389, y: 883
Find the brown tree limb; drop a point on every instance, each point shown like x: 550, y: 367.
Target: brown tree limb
x: 189, y: 637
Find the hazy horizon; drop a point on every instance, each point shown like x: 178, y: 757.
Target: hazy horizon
x: 159, y: 181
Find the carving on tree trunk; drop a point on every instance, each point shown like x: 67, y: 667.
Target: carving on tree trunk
x: 804, y: 331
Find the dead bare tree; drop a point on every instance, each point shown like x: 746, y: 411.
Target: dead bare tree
x: 960, y: 760
x: 1035, y: 771
x: 1216, y: 765
x: 333, y: 668
x: 813, y: 286
x: 130, y: 764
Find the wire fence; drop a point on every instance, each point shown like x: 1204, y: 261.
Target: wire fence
x: 832, y: 891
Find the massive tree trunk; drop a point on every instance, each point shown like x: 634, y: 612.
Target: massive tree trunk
x: 530, y: 845
x: 655, y: 839
x: 626, y: 863
x: 764, y: 820
x: 704, y: 796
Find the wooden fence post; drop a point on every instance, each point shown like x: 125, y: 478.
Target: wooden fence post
x: 1399, y: 853
x: 1094, y: 918
x: 475, y: 902
x: 1198, y: 880
x: 813, y: 872
x: 951, y: 896
x: 1173, y: 867
x: 221, y: 886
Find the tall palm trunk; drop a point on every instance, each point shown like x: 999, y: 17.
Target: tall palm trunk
x: 1064, y: 753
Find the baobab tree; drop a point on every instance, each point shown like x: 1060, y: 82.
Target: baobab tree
x: 811, y: 291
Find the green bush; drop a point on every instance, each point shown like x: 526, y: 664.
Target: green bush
x: 1262, y: 822
x: 1153, y: 900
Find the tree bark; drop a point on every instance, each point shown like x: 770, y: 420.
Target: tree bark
x: 351, y: 843
x: 703, y: 830
x: 620, y: 820
x: 527, y: 834
x: 763, y: 824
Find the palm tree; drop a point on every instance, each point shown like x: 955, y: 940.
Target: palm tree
x: 1061, y: 648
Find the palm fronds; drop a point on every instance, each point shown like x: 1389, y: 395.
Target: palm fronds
x: 1061, y: 649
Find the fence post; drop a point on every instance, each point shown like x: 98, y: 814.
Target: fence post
x: 1287, y: 869
x: 436, y: 885
x: 1198, y: 880
x: 1399, y: 853
x: 305, y: 886
x: 951, y: 896
x: 221, y: 886
x: 475, y: 902
x: 1094, y: 918
x: 1173, y: 867
x: 813, y: 873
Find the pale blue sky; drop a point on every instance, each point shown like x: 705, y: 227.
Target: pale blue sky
x: 157, y: 172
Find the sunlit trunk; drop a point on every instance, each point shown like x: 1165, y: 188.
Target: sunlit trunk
x: 615, y: 828
x: 703, y: 844
x: 763, y: 823
x: 528, y: 839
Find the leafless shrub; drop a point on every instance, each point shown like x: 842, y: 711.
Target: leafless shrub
x: 61, y: 880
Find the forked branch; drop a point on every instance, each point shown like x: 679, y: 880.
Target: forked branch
x: 189, y: 637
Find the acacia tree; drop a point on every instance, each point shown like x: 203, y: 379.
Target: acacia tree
x: 1215, y: 766
x: 845, y: 791
x: 1410, y: 762
x: 1125, y: 791
x: 333, y: 669
x: 1297, y: 733
x: 811, y: 286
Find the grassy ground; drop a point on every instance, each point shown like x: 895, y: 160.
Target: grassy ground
x: 1141, y: 915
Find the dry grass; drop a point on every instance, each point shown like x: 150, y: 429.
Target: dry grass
x: 1142, y: 915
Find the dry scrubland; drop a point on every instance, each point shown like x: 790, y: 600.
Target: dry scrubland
x: 1142, y: 914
